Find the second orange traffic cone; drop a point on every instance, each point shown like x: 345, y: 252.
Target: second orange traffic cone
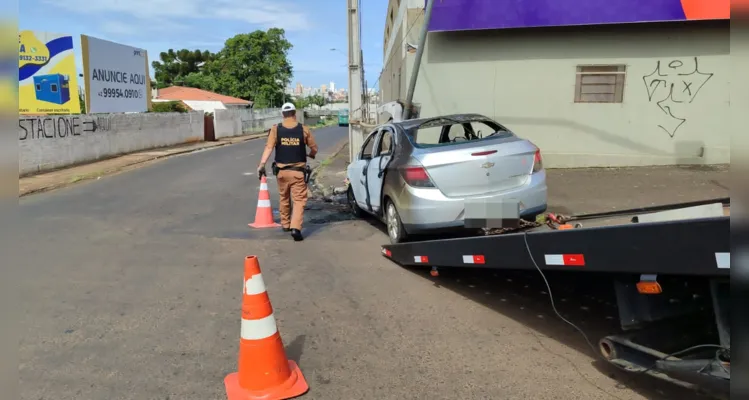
x: 264, y: 372
x: 264, y: 213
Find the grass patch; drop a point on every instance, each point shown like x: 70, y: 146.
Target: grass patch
x: 92, y: 175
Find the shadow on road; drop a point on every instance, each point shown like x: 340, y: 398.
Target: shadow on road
x: 585, y: 299
x: 295, y: 349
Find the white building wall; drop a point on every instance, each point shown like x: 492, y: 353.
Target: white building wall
x: 526, y: 80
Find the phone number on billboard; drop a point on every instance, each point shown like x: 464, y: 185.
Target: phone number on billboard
x: 119, y: 93
x: 32, y: 58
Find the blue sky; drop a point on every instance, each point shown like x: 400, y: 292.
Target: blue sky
x: 313, y: 27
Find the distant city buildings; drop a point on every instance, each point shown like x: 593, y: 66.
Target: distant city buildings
x: 329, y: 92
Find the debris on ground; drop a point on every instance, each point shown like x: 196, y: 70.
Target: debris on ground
x: 328, y: 186
x: 329, y: 182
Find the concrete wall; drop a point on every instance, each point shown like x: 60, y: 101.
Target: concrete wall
x: 211, y: 106
x: 235, y: 122
x: 330, y: 107
x: 526, y: 79
x: 51, y: 142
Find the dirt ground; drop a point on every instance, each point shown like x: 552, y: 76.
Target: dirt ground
x: 331, y: 173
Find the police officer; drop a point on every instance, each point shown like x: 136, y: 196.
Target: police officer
x: 290, y: 140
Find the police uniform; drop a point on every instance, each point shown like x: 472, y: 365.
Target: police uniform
x: 290, y: 140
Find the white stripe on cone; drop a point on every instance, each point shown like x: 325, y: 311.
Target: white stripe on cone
x: 263, y: 186
x: 263, y: 203
x: 254, y: 285
x: 257, y: 329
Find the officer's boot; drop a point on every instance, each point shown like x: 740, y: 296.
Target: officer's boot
x: 297, y: 235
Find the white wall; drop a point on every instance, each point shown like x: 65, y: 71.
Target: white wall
x: 234, y: 122
x: 525, y: 79
x: 212, y: 106
x: 205, y: 106
x: 50, y: 142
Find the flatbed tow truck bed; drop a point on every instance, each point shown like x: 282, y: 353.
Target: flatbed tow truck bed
x: 670, y: 268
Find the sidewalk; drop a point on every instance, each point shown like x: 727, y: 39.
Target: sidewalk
x: 581, y: 190
x: 56, y: 179
x: 68, y: 176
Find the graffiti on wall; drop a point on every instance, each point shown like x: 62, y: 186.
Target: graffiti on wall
x: 59, y: 127
x: 672, y: 85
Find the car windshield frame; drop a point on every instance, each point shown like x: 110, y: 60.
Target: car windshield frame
x: 440, y: 122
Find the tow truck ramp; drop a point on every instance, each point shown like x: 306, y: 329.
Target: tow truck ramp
x: 670, y: 269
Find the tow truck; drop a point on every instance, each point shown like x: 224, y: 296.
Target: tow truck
x: 669, y: 266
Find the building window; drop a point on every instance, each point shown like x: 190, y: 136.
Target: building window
x: 600, y: 84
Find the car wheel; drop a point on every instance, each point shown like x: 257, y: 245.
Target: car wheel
x: 396, y: 233
x: 356, y: 211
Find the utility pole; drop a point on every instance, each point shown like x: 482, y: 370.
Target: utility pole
x: 355, y: 79
x: 417, y: 60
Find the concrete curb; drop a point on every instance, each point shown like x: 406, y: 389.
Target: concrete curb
x: 335, y: 154
x: 319, y: 168
x: 208, y: 145
x: 124, y: 167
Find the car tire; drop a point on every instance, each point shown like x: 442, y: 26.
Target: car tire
x: 356, y: 211
x: 395, y: 230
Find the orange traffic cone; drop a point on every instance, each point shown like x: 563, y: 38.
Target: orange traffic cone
x: 264, y: 213
x: 264, y: 371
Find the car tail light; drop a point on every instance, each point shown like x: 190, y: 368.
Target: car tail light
x: 416, y: 177
x: 538, y: 163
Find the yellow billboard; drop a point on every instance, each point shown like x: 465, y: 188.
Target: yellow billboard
x: 47, y: 77
x: 8, y: 84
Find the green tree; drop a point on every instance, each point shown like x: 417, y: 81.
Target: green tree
x: 200, y: 80
x: 174, y: 67
x: 82, y: 102
x: 317, y: 100
x: 168, y: 106
x: 253, y: 66
x: 300, y: 102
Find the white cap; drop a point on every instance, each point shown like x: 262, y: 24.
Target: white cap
x: 288, y: 107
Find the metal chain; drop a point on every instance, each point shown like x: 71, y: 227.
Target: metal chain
x: 523, y: 225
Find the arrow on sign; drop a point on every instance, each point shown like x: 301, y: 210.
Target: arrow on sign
x: 90, y: 126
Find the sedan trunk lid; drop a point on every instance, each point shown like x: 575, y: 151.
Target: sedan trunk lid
x: 479, y: 168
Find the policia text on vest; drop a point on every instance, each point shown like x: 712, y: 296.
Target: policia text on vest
x: 290, y: 140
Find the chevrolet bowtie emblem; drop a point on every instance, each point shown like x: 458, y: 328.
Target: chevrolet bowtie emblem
x: 487, y: 165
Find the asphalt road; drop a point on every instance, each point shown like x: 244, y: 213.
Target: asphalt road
x: 131, y: 289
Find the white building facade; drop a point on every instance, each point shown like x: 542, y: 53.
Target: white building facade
x: 605, y: 95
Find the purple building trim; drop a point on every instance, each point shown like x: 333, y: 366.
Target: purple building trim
x: 457, y: 15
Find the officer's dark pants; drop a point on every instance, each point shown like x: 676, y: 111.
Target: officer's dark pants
x: 292, y: 189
